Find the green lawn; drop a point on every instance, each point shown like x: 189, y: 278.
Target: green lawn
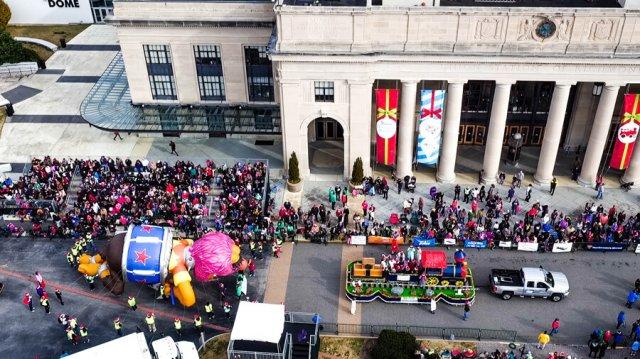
x: 3, y: 117
x: 51, y: 33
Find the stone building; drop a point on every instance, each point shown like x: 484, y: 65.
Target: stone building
x: 304, y: 72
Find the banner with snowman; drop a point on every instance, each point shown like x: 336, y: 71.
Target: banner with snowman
x: 430, y: 126
x: 627, y: 132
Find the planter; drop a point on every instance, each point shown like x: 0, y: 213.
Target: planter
x: 357, y: 187
x: 294, y: 187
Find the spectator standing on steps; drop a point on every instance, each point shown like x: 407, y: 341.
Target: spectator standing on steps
x: 552, y: 186
x: 528, y: 192
x: 172, y: 145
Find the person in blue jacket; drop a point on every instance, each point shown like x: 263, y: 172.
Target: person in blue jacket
x: 631, y: 298
x: 621, y: 320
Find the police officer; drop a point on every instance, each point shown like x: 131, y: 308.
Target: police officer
x: 150, y: 319
x: 178, y: 325
x: 91, y: 280
x: 71, y: 336
x: 197, y: 322
x: 84, y: 332
x: 71, y: 259
x: 73, y: 324
x: 132, y: 303
x: 117, y: 325
x: 75, y: 254
x: 227, y: 310
x: 208, y: 308
x: 44, y: 301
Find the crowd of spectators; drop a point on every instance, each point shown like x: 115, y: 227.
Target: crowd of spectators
x: 115, y: 193
x: 479, y: 214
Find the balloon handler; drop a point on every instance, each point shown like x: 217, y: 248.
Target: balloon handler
x: 148, y: 254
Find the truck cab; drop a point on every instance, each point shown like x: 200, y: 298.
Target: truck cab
x: 529, y: 282
x: 166, y: 348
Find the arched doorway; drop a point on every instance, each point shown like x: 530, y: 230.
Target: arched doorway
x: 326, y: 146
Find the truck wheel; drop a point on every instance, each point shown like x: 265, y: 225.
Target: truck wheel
x: 556, y: 297
x: 506, y: 295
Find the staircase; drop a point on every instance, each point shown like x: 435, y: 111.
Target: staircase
x: 72, y: 191
x: 211, y: 204
x: 300, y: 351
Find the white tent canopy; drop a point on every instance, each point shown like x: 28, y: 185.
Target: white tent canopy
x: 259, y: 322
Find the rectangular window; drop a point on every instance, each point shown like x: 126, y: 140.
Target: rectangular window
x: 209, y: 72
x: 323, y: 91
x: 161, y: 79
x: 259, y: 74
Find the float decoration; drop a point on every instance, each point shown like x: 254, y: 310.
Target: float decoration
x: 149, y: 255
x: 450, y: 283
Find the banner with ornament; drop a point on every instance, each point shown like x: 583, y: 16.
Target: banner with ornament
x: 627, y: 132
x: 430, y: 126
x: 386, y: 125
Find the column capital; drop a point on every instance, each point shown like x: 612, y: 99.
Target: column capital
x: 615, y: 84
x: 409, y: 81
x: 565, y: 83
x: 505, y: 82
x: 457, y: 82
x: 362, y: 82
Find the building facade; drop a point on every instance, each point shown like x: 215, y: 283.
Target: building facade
x: 43, y: 12
x: 554, y: 75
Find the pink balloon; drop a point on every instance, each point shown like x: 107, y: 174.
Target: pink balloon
x: 212, y: 256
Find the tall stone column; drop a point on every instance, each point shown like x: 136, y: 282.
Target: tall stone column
x: 495, y: 134
x: 359, y: 139
x: 599, y: 133
x: 407, y: 127
x: 449, y: 150
x: 632, y: 174
x: 552, y: 133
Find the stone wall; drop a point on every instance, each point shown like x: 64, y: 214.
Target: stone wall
x: 471, y: 30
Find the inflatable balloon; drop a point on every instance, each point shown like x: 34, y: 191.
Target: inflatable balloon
x: 149, y: 255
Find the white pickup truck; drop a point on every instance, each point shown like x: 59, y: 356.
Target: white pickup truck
x: 529, y: 282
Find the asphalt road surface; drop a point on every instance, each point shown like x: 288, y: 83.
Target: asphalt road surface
x: 38, y: 335
x: 599, y: 284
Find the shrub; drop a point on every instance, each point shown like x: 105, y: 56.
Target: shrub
x: 357, y: 174
x: 12, y: 51
x: 5, y: 14
x: 294, y: 171
x: 394, y: 345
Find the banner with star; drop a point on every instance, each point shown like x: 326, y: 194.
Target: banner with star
x: 430, y: 126
x: 627, y: 132
x: 386, y: 125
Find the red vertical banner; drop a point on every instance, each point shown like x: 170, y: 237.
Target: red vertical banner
x: 627, y: 132
x: 386, y: 125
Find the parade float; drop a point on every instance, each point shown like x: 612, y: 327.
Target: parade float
x: 149, y: 255
x: 434, y: 278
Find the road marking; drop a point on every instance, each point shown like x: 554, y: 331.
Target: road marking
x: 74, y: 290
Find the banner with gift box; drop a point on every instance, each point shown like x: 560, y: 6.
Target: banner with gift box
x: 430, y: 126
x: 627, y: 132
x: 386, y: 125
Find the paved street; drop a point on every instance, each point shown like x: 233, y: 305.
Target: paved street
x: 599, y: 284
x: 30, y: 335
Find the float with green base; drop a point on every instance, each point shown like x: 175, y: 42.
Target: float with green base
x: 433, y: 278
